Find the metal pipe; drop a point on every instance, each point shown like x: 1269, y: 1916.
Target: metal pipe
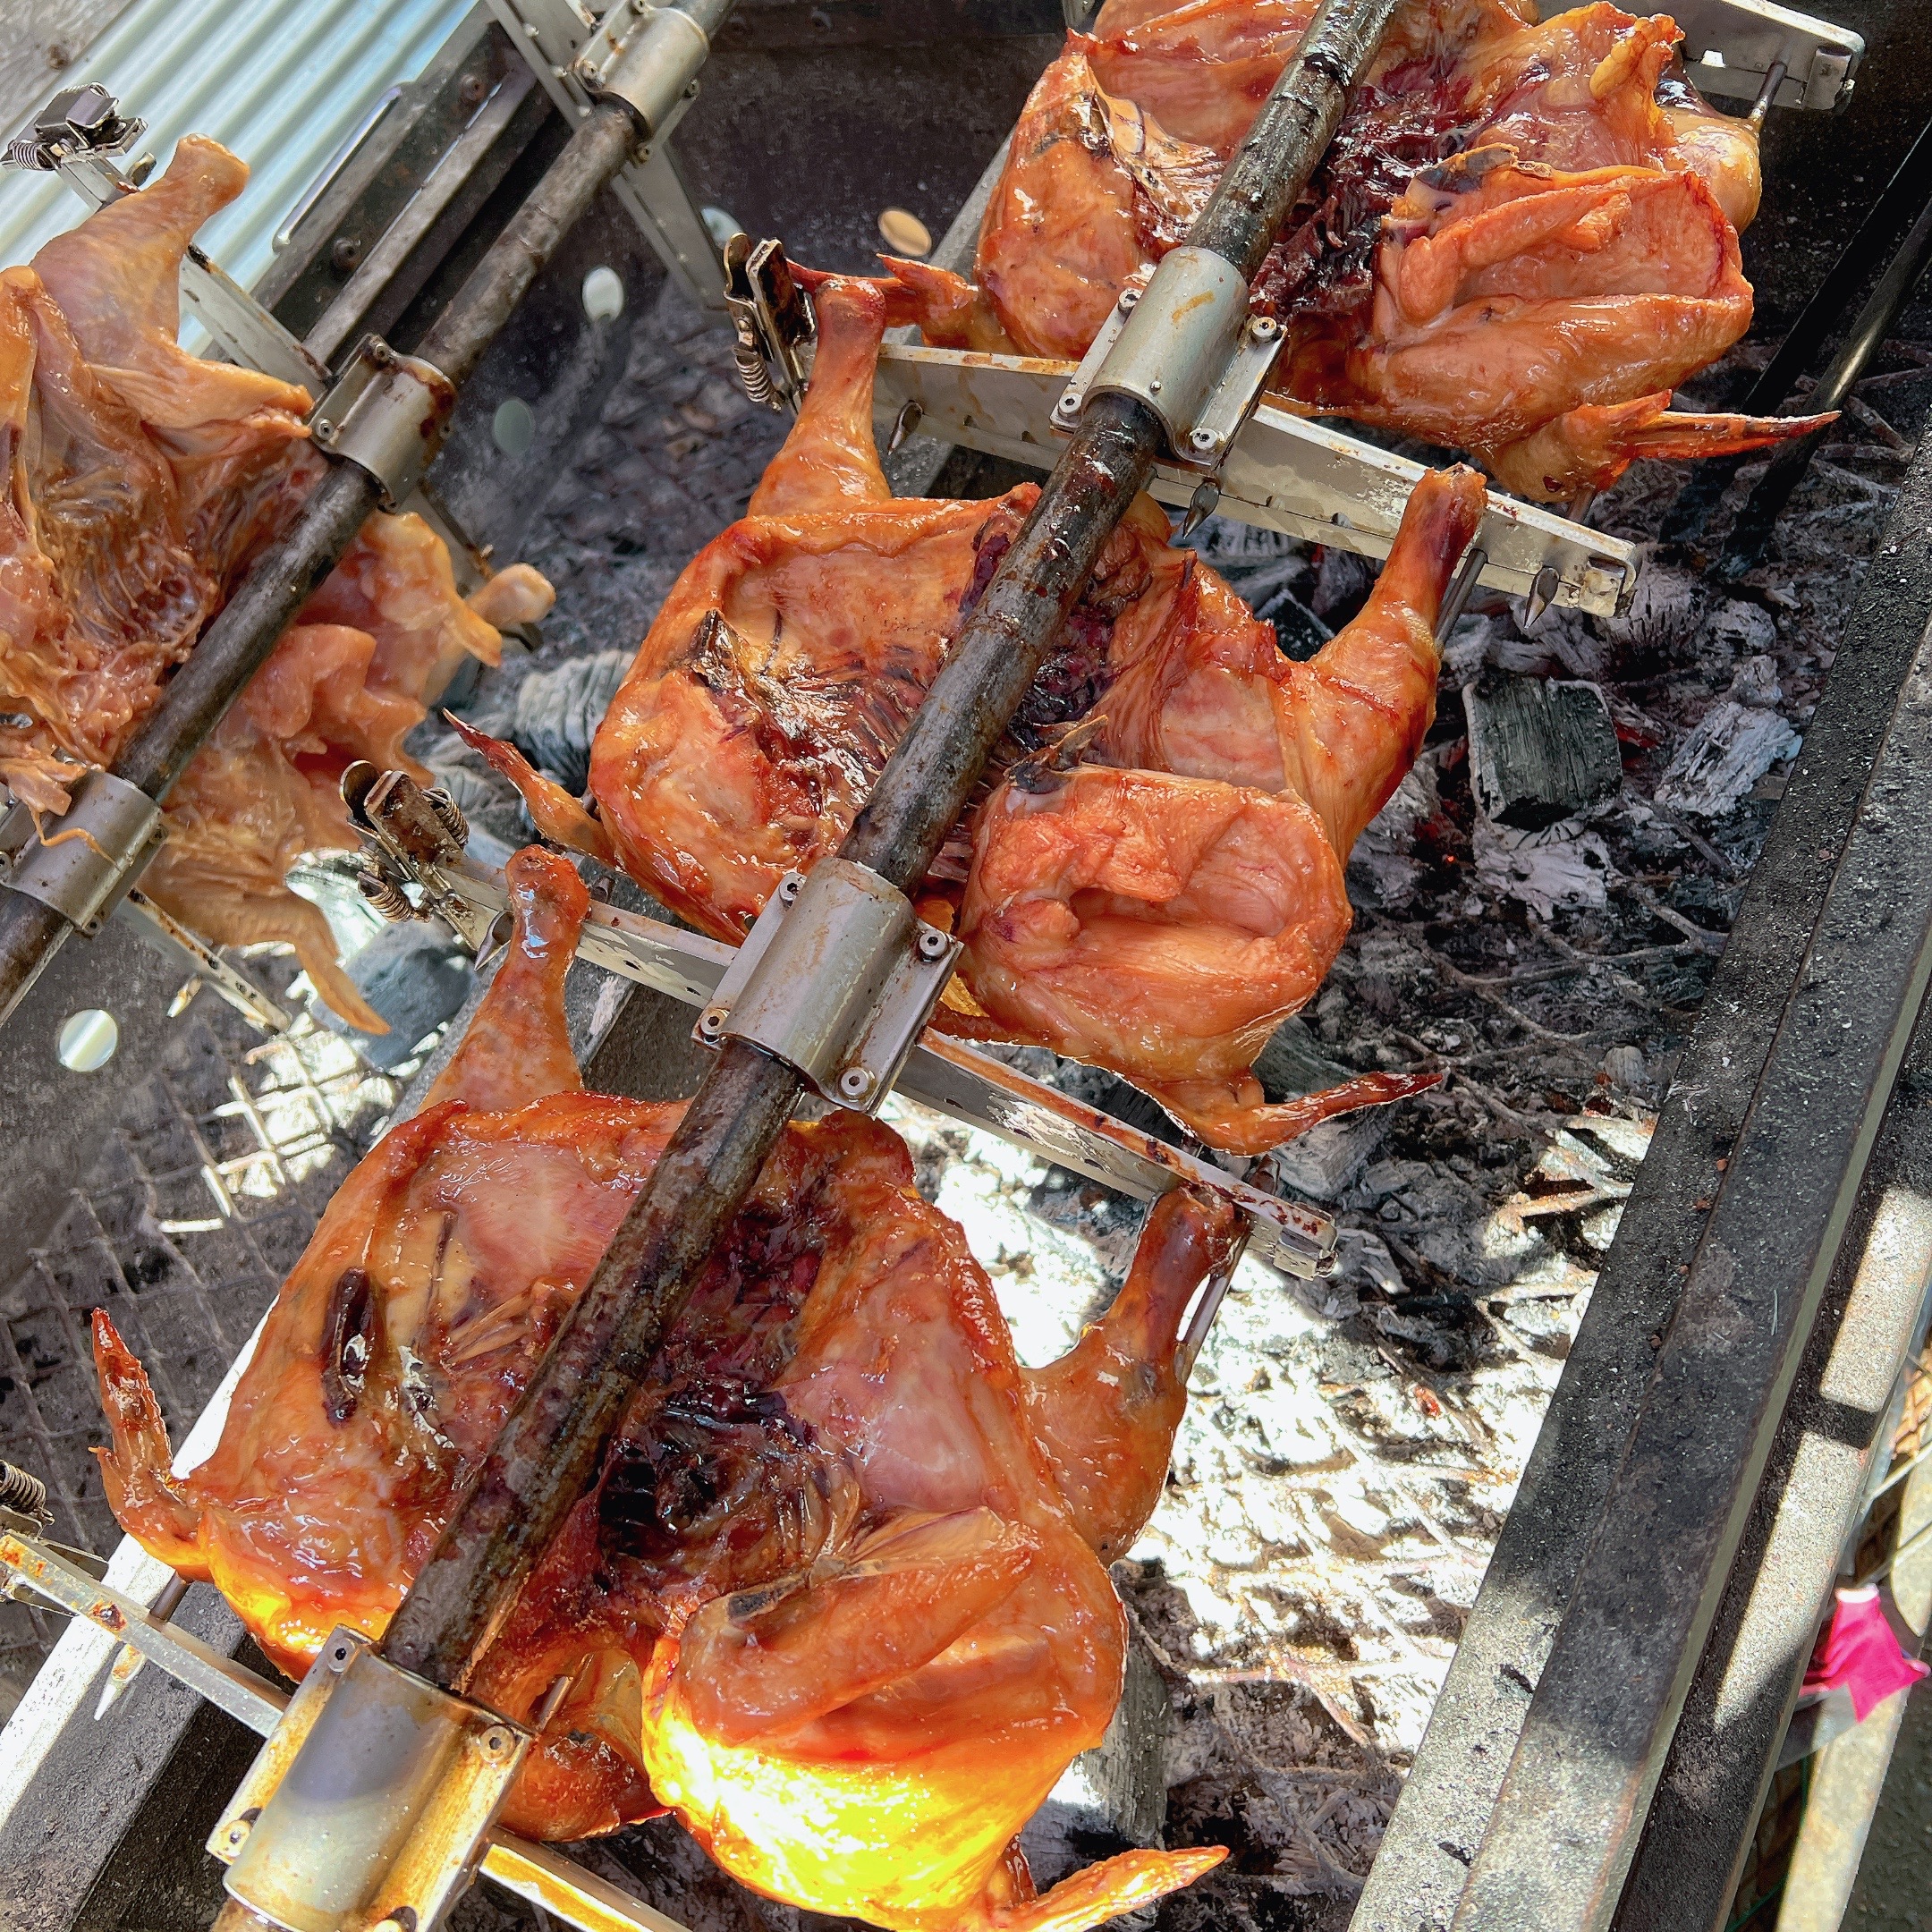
x: 1745, y: 545
x: 549, y: 1448
x: 554, y: 1438
x: 240, y: 641
x: 1907, y: 187
x: 599, y: 148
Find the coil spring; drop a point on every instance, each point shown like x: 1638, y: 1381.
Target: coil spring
x: 754, y: 375
x: 385, y: 894
x: 21, y: 1492
x: 450, y: 813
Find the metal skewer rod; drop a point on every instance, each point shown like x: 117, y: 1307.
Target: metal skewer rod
x: 550, y: 1447
x: 240, y: 639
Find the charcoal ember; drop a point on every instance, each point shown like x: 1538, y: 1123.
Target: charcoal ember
x: 1383, y: 868
x: 558, y: 711
x: 1734, y: 745
x: 1540, y: 752
x: 1541, y: 871
x: 1662, y: 618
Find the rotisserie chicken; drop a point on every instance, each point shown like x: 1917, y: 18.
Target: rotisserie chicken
x: 1155, y: 881
x: 838, y: 1596
x: 142, y: 482
x: 1523, y: 239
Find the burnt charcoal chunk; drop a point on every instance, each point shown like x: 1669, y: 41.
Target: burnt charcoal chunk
x: 1541, y: 752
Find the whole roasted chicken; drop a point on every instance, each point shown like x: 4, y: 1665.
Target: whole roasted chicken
x: 1523, y: 237
x: 1153, y: 881
x: 838, y: 1596
x: 141, y: 481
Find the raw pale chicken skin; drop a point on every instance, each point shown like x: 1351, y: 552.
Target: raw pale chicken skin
x: 1159, y: 909
x: 838, y: 1596
x: 140, y: 482
x: 1519, y: 230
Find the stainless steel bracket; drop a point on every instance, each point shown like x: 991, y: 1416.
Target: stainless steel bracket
x: 552, y: 36
x: 370, y: 1803
x: 535, y: 1872
x: 412, y: 840
x: 109, y: 831
x: 387, y: 414
x: 1282, y: 472
x: 648, y: 57
x: 772, y: 320
x: 1730, y: 47
x: 1187, y: 348
x: 837, y: 979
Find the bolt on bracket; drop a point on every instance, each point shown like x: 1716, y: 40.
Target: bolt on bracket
x: 837, y: 979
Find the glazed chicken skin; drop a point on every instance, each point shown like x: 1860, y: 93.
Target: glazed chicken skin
x: 1158, y: 909
x: 838, y: 1596
x: 140, y: 482
x: 1523, y: 237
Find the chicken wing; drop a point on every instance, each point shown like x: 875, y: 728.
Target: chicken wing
x: 838, y: 1596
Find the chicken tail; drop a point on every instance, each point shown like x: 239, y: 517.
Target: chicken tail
x: 1105, y: 1891
x: 1590, y: 447
x: 1222, y: 1115
x: 143, y: 1491
x: 556, y: 814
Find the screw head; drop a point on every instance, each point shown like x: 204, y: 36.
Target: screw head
x: 1201, y: 439
x: 497, y: 1740
x: 1263, y: 328
x: 710, y: 1022
x: 1129, y: 297
x: 237, y: 1833
x: 932, y: 943
x: 1154, y: 387
x: 791, y: 886
x: 855, y: 1083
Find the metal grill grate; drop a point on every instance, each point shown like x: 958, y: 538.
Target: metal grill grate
x: 183, y: 1231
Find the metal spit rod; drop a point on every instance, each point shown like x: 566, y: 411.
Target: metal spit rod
x: 549, y: 1447
x: 240, y: 639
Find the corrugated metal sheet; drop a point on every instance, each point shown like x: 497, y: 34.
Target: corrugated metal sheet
x: 282, y: 82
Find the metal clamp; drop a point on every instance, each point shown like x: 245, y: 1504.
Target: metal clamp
x: 387, y: 414
x: 648, y: 57
x: 370, y: 1803
x: 1186, y: 347
x: 772, y: 319
x: 82, y: 120
x: 104, y: 841
x: 837, y: 979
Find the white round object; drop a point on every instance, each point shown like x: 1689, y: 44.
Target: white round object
x: 905, y: 233
x: 513, y: 426
x: 603, y: 294
x: 88, y: 1041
